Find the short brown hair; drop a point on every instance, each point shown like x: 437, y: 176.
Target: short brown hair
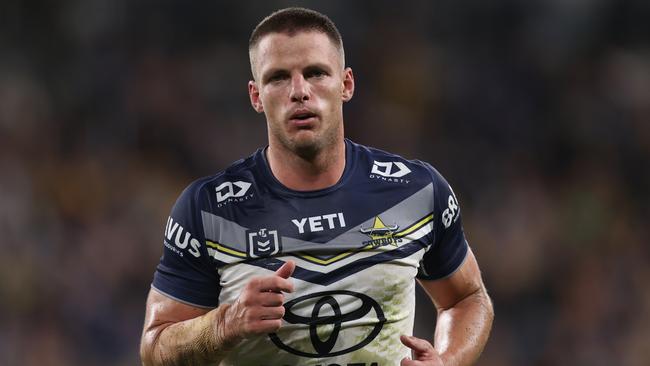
x: 293, y: 20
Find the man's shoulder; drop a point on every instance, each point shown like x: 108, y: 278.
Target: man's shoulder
x: 237, y: 174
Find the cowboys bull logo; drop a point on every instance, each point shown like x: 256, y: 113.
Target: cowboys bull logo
x: 325, y: 314
x: 263, y: 243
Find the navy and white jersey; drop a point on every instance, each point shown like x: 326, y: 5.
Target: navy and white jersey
x: 358, y: 245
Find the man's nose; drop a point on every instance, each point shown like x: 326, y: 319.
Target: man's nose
x: 299, y: 89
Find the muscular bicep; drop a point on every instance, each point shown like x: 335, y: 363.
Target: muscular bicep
x: 448, y: 291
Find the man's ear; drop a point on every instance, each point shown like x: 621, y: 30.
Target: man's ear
x: 348, y: 84
x: 254, y: 94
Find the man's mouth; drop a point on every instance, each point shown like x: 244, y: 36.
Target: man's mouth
x: 302, y: 117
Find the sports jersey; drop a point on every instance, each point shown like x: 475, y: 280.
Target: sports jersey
x: 358, y: 247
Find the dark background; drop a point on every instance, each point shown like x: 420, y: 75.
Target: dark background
x: 537, y: 112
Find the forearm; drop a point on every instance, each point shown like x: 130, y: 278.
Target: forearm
x: 463, y: 330
x: 203, y: 340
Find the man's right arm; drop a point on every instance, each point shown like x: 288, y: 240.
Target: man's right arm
x: 175, y: 333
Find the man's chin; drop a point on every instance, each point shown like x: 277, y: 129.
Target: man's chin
x: 305, y: 137
x: 306, y: 144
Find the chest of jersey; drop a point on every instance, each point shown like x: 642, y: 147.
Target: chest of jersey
x: 356, y: 256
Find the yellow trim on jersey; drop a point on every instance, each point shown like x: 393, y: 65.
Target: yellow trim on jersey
x: 415, y: 226
x: 223, y: 249
x: 336, y: 258
x: 344, y: 255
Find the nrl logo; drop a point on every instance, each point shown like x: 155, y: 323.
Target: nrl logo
x: 263, y: 243
x: 381, y: 234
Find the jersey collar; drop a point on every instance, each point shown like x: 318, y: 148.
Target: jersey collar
x: 275, y: 185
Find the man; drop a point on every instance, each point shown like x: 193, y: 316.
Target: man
x: 307, y: 252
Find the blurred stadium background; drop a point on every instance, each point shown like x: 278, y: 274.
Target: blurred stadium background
x: 537, y: 112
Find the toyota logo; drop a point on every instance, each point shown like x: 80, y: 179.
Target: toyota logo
x: 335, y: 318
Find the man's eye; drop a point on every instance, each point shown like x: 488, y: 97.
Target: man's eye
x: 315, y: 73
x: 276, y: 78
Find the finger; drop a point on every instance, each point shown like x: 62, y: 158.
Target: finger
x: 267, y: 326
x: 271, y: 299
x: 274, y: 284
x: 273, y: 313
x: 416, y: 344
x: 286, y: 270
x: 406, y: 361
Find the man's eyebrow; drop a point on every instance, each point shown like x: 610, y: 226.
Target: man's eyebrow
x: 318, y: 66
x: 281, y: 72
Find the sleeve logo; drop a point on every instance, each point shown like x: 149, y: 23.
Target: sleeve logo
x: 181, y: 241
x: 450, y: 214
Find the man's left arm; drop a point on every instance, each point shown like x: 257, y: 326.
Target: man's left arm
x: 465, y: 315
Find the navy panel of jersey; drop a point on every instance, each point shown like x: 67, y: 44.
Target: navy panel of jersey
x: 358, y: 247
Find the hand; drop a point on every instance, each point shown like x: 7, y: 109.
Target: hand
x: 259, y: 310
x: 423, y: 351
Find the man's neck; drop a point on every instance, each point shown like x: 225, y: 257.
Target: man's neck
x: 321, y: 171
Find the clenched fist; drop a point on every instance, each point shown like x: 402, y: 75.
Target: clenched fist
x: 259, y: 310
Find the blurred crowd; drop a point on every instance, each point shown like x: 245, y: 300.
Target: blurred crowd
x: 537, y: 112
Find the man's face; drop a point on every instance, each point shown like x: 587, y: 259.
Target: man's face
x: 300, y: 85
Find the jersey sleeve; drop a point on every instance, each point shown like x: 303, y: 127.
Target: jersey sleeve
x: 184, y: 272
x: 449, y: 248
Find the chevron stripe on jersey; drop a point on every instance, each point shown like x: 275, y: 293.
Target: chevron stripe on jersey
x: 227, y: 240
